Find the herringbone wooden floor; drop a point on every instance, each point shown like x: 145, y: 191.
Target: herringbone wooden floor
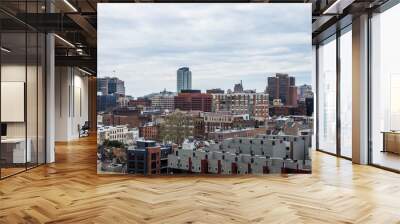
x: 70, y: 191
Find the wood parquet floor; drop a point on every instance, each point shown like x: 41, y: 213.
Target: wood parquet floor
x: 70, y: 191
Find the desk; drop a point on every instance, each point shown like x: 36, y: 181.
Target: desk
x: 391, y: 141
x: 13, y: 150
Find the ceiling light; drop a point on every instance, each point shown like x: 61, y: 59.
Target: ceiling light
x: 64, y: 40
x: 338, y: 6
x: 70, y: 5
x: 84, y: 71
x: 5, y: 50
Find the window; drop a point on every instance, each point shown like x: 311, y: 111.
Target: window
x: 346, y: 93
x: 327, y: 95
x: 385, y: 87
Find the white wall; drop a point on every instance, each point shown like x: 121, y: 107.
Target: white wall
x: 71, y: 103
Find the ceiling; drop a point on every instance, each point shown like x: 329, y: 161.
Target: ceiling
x: 75, y: 21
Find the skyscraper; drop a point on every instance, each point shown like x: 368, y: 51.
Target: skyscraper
x: 102, y: 85
x: 283, y: 83
x: 109, y: 85
x: 282, y: 87
x: 305, y: 91
x: 116, y: 85
x: 183, y: 79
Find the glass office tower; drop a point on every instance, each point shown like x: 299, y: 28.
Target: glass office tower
x: 184, y: 79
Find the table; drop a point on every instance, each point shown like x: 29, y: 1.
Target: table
x: 391, y: 141
x: 13, y: 150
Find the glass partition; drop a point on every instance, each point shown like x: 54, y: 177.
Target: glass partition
x: 22, y: 77
x: 14, y: 153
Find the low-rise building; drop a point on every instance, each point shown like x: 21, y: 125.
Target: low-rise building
x: 235, y: 133
x: 214, y: 121
x: 149, y: 131
x: 258, y: 155
x: 148, y: 158
x: 119, y: 133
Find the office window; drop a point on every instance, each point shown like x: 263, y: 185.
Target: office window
x: 327, y: 96
x: 346, y: 93
x: 314, y: 90
x: 385, y: 89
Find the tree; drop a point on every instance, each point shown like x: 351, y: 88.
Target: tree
x: 115, y: 144
x: 176, y: 127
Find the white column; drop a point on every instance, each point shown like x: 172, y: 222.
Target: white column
x: 50, y: 101
x: 360, y: 89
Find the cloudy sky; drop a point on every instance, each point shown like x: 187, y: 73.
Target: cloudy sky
x: 221, y: 44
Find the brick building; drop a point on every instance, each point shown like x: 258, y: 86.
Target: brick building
x: 193, y: 101
x: 149, y: 131
x: 148, y: 158
x: 254, y: 104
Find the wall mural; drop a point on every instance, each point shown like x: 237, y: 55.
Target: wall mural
x: 204, y: 89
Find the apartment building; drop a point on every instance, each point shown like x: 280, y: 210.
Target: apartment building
x: 119, y: 133
x: 257, y: 155
x: 254, y: 104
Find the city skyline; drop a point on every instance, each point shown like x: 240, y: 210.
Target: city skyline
x: 155, y: 91
x: 149, y: 59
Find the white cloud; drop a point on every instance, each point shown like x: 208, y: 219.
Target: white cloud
x: 221, y: 43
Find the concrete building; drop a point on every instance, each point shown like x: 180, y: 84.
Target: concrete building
x: 220, y: 135
x: 305, y: 91
x: 238, y: 88
x: 213, y: 91
x: 164, y: 101
x: 183, y: 79
x: 258, y: 155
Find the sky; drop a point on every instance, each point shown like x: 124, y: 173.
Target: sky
x: 144, y: 44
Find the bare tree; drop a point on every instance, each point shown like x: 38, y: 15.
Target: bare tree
x: 176, y: 127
